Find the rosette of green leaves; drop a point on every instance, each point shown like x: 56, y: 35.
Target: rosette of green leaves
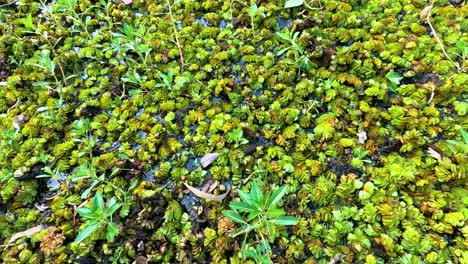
x: 258, y: 211
x: 98, y: 216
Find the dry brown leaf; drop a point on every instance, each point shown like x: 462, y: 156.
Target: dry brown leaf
x: 425, y: 12
x: 41, y: 207
x: 17, y: 121
x: 140, y: 260
x: 29, y: 232
x: 337, y: 258
x: 206, y: 160
x: 207, y: 196
x: 433, y: 153
x: 213, y: 186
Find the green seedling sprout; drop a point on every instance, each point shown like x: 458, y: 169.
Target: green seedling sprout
x: 258, y: 211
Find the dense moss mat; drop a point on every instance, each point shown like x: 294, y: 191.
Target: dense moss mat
x: 342, y: 107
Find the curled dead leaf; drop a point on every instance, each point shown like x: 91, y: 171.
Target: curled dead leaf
x: 207, y: 196
x: 29, y: 232
x: 433, y: 153
x: 140, y: 260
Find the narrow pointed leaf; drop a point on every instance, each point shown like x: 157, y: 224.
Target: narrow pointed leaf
x: 246, y: 198
x: 90, y: 229
x: 256, y: 193
x: 275, y: 212
x: 279, y: 53
x: 112, y: 230
x: 241, y: 206
x: 86, y: 213
x: 112, y: 208
x: 271, y: 231
x: 252, y: 215
x: 293, y: 3
x: 276, y: 197
x: 98, y: 203
x: 285, y: 220
x: 244, y: 229
x: 234, y: 216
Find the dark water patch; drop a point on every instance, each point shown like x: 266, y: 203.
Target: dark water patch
x: 54, y: 183
x: 342, y: 168
x: 283, y: 23
x: 423, y: 78
x: 136, y: 147
x: 202, y: 21
x: 115, y: 146
x: 90, y: 111
x: 142, y: 134
x: 149, y: 175
x: 223, y: 23
x: 216, y: 100
x: 139, y: 113
x: 192, y: 163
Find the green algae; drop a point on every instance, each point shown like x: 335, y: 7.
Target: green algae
x: 150, y: 86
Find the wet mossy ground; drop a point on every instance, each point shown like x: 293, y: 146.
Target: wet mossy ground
x: 362, y: 117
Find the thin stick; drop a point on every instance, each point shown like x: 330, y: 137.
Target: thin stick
x: 7, y: 4
x: 182, y: 65
x: 63, y: 73
x: 438, y: 40
x: 15, y: 105
x: 432, y: 95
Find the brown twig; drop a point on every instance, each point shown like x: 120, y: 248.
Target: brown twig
x: 437, y: 38
x: 63, y: 73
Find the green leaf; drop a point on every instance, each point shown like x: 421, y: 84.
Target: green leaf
x: 243, y: 207
x: 98, y: 203
x: 133, y: 184
x: 275, y: 212
x: 112, y: 230
x: 135, y: 91
x: 246, y: 198
x: 234, y: 216
x: 90, y: 229
x: 394, y: 77
x: 279, y: 53
x: 464, y: 135
x: 86, y: 213
x: 276, y: 197
x: 293, y: 3
x: 88, y: 190
x: 256, y: 193
x: 285, y: 220
x: 252, y: 215
x: 271, y: 231
x: 113, y: 206
x: 243, y: 229
x: 253, y: 9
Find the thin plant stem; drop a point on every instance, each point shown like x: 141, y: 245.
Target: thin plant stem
x: 438, y: 40
x: 177, y: 42
x: 8, y: 4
